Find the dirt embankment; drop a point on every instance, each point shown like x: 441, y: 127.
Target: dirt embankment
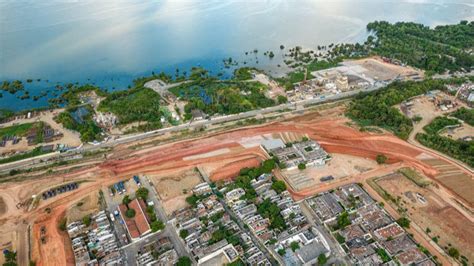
x: 56, y: 248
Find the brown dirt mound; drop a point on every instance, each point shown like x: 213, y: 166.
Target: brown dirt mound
x: 57, y: 248
x: 232, y: 169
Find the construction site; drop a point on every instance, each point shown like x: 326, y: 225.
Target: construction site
x: 218, y: 156
x: 444, y: 221
x: 39, y: 129
x: 352, y: 75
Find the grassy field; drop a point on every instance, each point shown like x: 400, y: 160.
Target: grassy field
x: 414, y: 176
x: 36, y: 152
x: 16, y: 130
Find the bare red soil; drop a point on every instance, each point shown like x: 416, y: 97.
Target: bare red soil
x: 333, y: 134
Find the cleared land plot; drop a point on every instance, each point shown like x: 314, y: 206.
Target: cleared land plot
x: 445, y: 223
x: 461, y: 132
x: 453, y: 178
x: 86, y: 206
x: 340, y: 166
x: 369, y: 69
x: 173, y: 189
x: 377, y: 69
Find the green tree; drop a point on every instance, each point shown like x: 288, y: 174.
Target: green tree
x: 62, y: 224
x: 126, y: 200
x: 302, y: 166
x: 279, y: 186
x: 142, y: 193
x: 453, y: 252
x: 10, y: 258
x: 282, y: 252
x: 282, y: 99
x: 183, y: 233
x: 343, y: 220
x: 184, y: 261
x: 130, y: 213
x: 404, y: 222
x: 294, y: 245
x: 268, y: 166
x: 322, y: 259
x: 157, y: 226
x: 192, y: 200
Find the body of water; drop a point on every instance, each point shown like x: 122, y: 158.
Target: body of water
x: 110, y: 43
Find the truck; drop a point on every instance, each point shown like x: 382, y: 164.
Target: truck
x: 117, y: 188
x: 137, y: 180
x: 121, y: 187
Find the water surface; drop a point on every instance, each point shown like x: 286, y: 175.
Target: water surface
x: 110, y: 43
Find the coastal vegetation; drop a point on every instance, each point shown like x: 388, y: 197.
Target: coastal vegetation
x: 377, y: 108
x: 139, y: 104
x: 466, y: 115
x: 435, y: 50
x: 213, y: 96
x: 243, y: 73
x: 440, y: 123
x: 13, y: 86
x: 80, y: 120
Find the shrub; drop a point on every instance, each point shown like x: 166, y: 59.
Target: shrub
x: 62, y: 224
x: 381, y: 159
x: 301, y: 166
x: 404, y: 222
x: 453, y: 252
x: 86, y: 220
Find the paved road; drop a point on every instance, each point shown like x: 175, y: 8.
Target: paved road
x: 271, y: 256
x: 161, y: 213
x: 338, y: 256
x: 131, y: 248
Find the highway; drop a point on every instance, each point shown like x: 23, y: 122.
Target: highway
x: 24, y: 164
